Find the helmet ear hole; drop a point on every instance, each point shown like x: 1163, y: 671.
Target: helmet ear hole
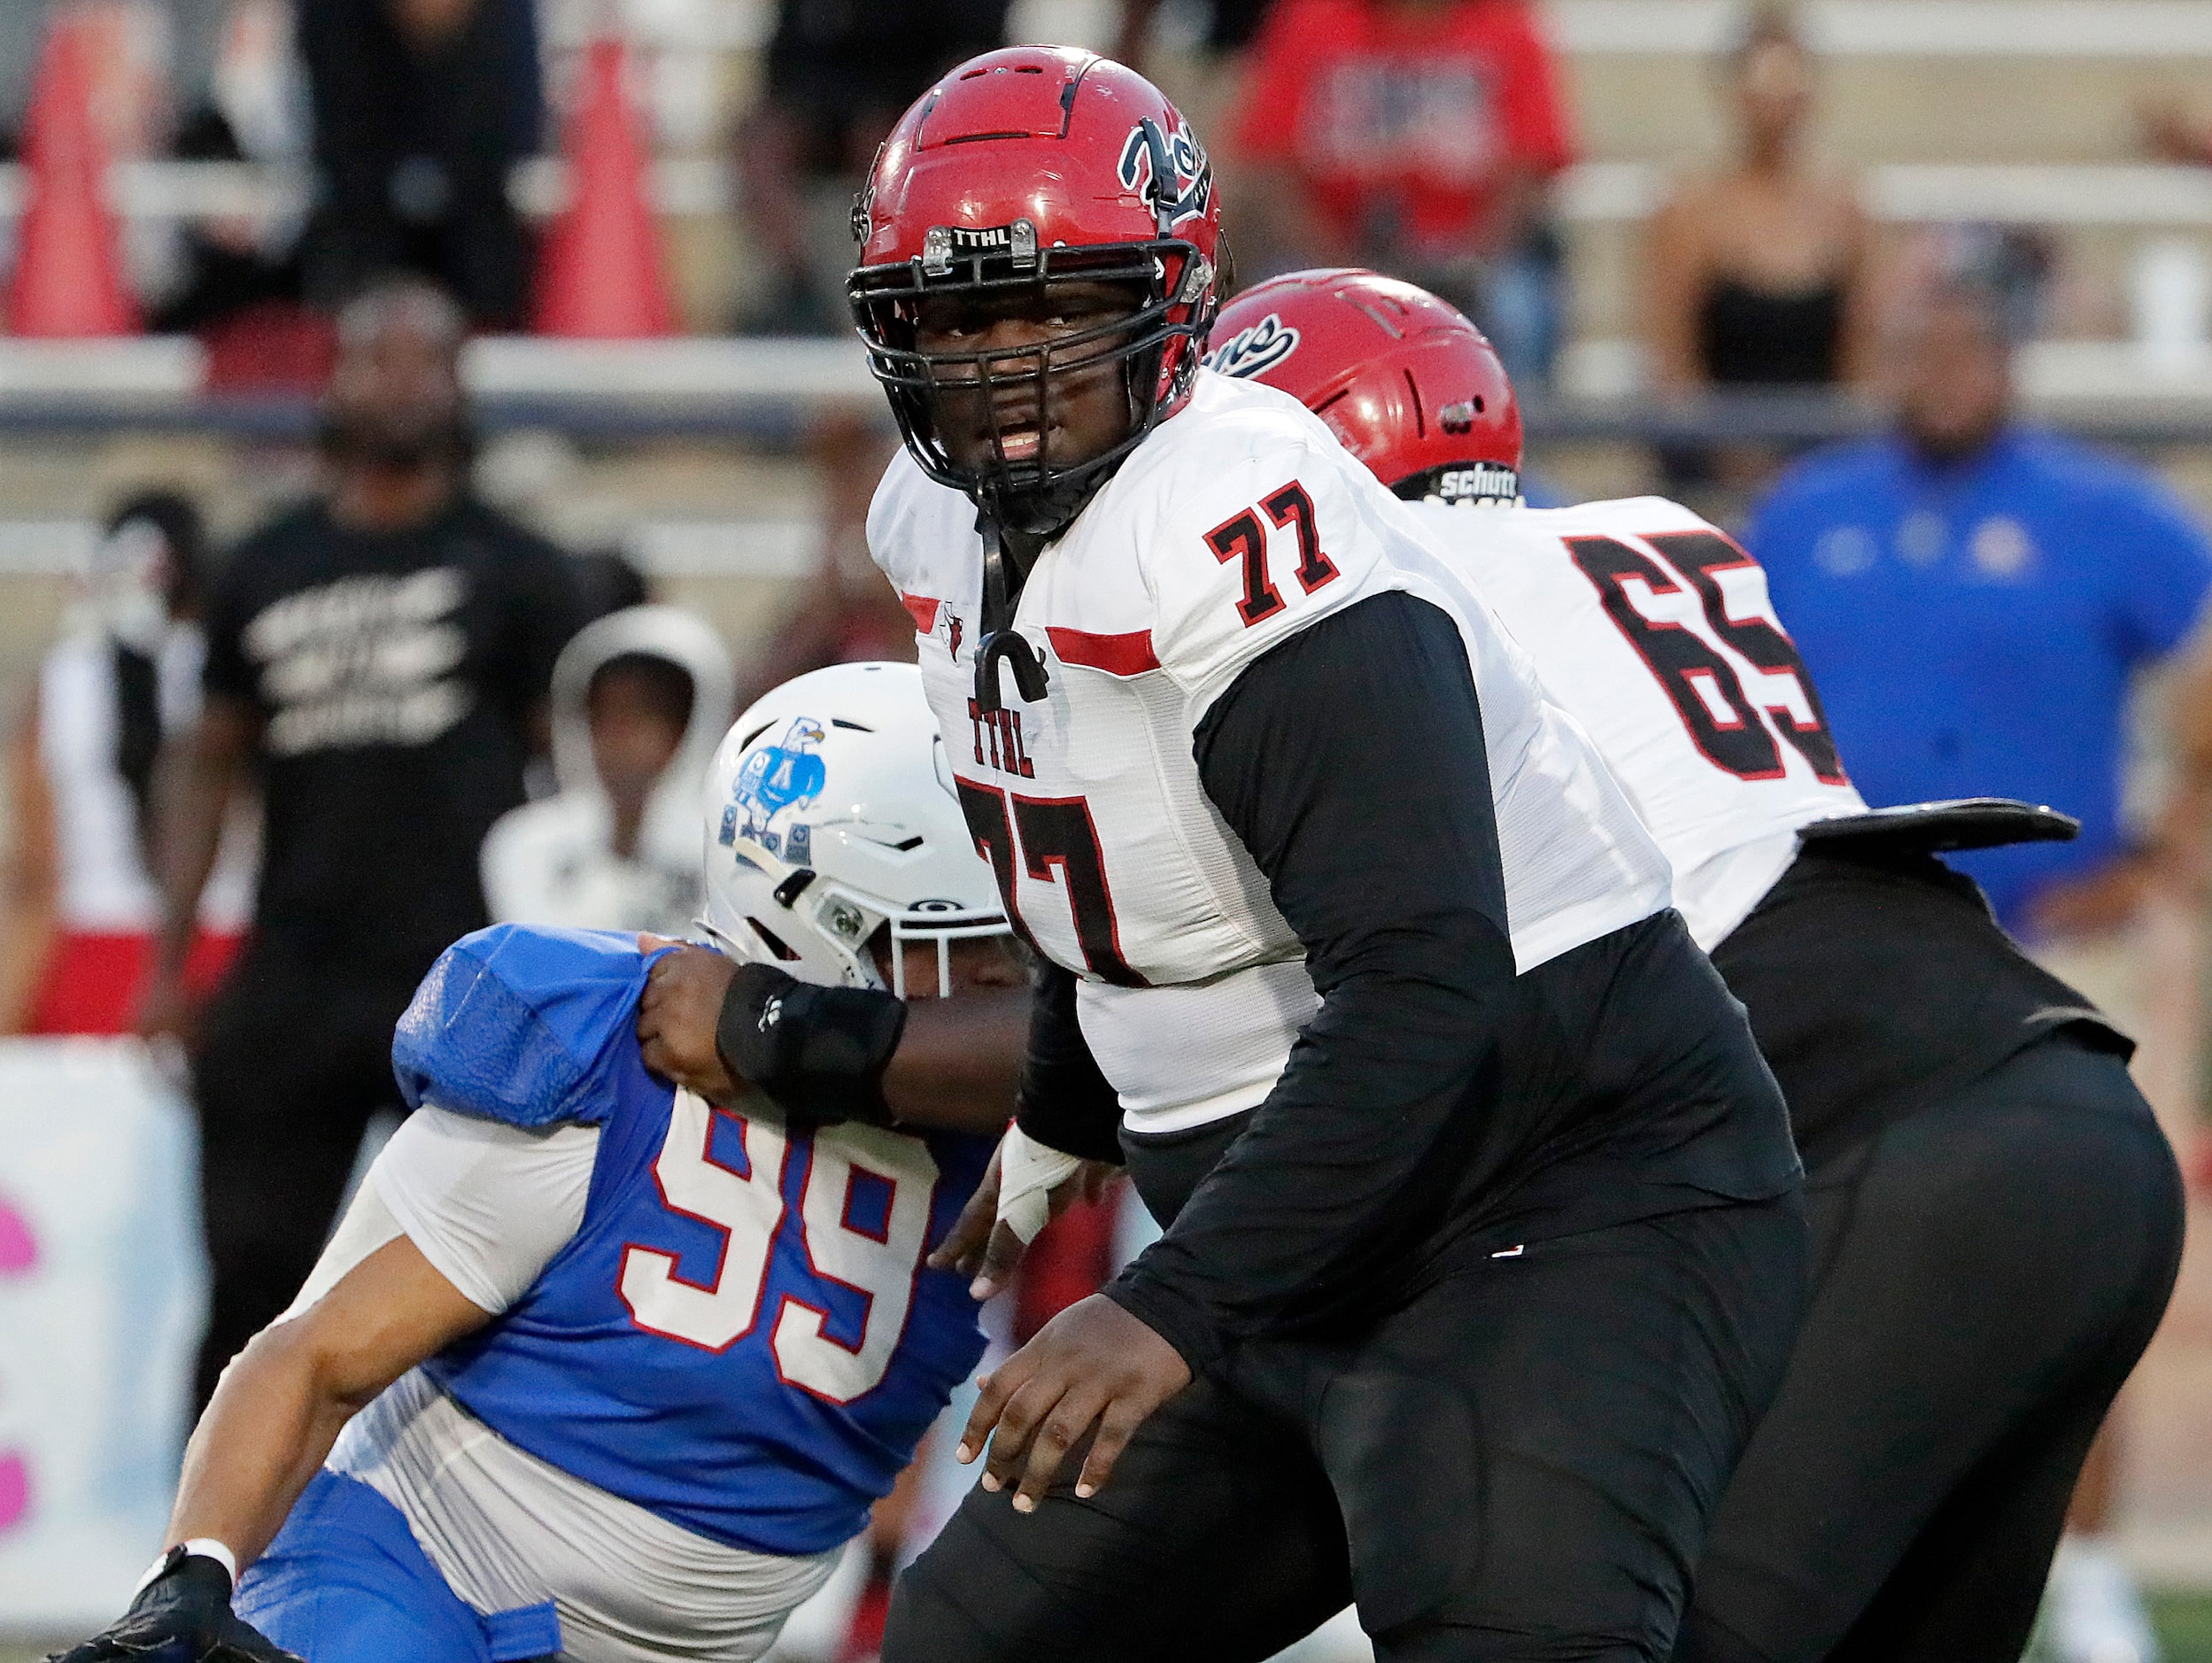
x: 774, y: 943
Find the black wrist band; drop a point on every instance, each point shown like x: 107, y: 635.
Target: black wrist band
x: 818, y: 1053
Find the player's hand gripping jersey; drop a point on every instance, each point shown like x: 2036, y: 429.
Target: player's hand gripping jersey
x: 715, y: 1340
x: 1233, y: 528
x: 1655, y: 630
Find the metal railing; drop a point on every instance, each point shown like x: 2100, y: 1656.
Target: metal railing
x: 2148, y: 196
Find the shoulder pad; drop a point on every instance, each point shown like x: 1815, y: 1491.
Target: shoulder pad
x: 512, y: 1021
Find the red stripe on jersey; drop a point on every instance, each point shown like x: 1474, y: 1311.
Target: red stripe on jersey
x: 925, y: 611
x: 1129, y: 655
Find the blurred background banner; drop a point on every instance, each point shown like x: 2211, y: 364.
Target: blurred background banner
x: 102, y: 1291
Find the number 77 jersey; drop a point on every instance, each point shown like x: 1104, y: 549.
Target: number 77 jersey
x: 1237, y: 524
x: 1655, y: 630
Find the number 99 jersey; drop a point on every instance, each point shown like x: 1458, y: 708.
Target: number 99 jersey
x: 742, y: 1335
x: 1655, y: 631
x: 1237, y: 523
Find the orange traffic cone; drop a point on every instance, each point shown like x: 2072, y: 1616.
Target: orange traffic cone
x: 601, y: 273
x: 68, y: 278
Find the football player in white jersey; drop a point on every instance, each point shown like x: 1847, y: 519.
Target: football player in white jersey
x: 1484, y: 1239
x: 1996, y: 1216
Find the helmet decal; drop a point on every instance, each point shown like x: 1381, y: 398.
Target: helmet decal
x: 1193, y: 174
x: 887, y: 850
x: 787, y: 775
x: 1255, y: 350
x: 1478, y: 481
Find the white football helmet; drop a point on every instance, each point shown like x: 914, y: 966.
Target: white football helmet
x: 831, y: 815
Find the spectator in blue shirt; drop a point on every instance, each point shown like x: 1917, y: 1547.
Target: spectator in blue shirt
x: 1974, y: 596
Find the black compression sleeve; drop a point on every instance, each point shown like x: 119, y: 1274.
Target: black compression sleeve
x: 1351, y: 762
x: 1065, y: 1102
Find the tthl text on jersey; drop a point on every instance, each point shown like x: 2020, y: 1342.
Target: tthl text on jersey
x: 998, y: 738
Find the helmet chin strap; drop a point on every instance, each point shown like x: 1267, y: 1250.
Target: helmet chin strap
x: 1001, y: 642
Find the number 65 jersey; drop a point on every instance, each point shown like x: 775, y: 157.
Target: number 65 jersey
x: 1655, y: 631
x: 1234, y: 525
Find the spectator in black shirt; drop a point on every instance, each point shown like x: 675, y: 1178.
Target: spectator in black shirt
x: 379, y: 659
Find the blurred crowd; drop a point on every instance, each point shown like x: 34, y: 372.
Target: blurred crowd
x: 1422, y: 138
x: 1427, y: 138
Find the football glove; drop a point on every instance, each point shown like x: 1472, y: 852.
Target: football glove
x: 182, y: 1615
x: 818, y: 1053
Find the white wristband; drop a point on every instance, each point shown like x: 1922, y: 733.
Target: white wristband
x: 206, y: 1548
x: 1029, y: 1171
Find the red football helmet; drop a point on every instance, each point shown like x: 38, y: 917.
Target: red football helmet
x: 1023, y: 168
x: 1412, y: 388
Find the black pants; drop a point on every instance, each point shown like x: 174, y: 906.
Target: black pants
x: 1985, y: 1275
x: 1518, y: 1463
x: 295, y: 1060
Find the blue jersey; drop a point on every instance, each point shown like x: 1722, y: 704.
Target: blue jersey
x: 1973, y: 627
x: 741, y: 1337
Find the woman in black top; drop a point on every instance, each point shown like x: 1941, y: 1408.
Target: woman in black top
x: 1758, y: 274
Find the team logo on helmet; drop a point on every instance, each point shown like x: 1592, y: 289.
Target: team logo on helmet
x: 1459, y: 418
x: 1193, y: 174
x: 864, y: 205
x: 1255, y: 350
x: 787, y: 775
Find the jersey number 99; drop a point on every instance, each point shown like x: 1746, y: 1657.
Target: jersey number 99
x: 864, y: 1222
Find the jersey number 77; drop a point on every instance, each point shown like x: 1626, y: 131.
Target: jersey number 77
x: 1728, y: 722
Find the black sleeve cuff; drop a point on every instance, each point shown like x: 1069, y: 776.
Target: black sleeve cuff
x: 1065, y: 1104
x: 1184, y: 1322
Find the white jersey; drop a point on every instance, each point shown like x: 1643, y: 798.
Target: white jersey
x: 1655, y: 631
x: 1235, y: 524
x: 105, y: 885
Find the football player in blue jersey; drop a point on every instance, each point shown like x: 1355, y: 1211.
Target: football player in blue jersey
x: 594, y: 1366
